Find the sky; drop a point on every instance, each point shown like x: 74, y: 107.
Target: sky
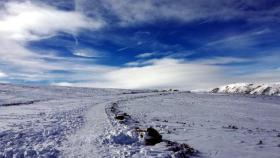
x: 181, y: 44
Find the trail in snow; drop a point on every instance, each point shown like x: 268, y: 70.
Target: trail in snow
x: 84, y: 143
x: 96, y: 138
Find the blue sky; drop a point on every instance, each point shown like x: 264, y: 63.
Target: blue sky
x: 139, y: 43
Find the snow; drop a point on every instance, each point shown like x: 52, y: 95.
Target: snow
x: 49, y: 121
x: 205, y: 122
x: 250, y: 88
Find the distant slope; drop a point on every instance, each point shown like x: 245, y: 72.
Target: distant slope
x: 249, y: 88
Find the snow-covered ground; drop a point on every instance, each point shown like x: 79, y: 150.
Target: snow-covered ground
x: 250, y: 88
x: 82, y: 122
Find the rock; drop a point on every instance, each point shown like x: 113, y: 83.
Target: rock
x: 215, y: 90
x: 152, y: 137
x: 120, y: 117
x: 231, y: 127
x: 181, y: 150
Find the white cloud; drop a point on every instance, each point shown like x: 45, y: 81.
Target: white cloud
x: 145, y: 55
x: 162, y: 73
x: 175, y: 73
x: 21, y: 22
x: 26, y: 21
x: 89, y: 53
x: 2, y: 74
x: 63, y: 84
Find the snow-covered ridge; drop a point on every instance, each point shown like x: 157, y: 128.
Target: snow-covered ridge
x: 249, y: 88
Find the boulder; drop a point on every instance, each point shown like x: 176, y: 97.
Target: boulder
x: 152, y: 137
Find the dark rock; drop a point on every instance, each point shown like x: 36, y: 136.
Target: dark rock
x: 260, y: 142
x: 120, y: 117
x: 266, y: 90
x: 234, y: 127
x: 231, y: 127
x: 181, y: 150
x: 125, y: 114
x: 215, y: 90
x: 153, y: 137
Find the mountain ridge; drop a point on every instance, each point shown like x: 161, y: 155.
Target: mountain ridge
x: 250, y: 88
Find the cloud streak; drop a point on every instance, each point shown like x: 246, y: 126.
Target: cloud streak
x: 138, y: 11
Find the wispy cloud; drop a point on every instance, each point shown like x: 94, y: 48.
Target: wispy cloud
x: 89, y: 53
x: 241, y: 40
x: 145, y: 55
x: 138, y: 11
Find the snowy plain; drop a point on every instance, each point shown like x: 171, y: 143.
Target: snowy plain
x: 42, y: 121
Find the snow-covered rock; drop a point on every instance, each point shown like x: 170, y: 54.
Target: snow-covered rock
x: 250, y: 88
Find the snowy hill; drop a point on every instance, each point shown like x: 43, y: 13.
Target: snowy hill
x: 249, y: 88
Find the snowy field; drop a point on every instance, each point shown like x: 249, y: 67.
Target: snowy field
x: 83, y: 122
